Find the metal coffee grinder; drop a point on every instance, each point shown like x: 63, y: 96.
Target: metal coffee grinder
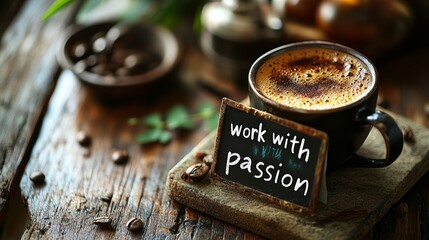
x: 236, y: 32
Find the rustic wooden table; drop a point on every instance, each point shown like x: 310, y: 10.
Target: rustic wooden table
x: 43, y: 107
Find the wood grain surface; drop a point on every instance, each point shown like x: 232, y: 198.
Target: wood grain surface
x: 42, y: 108
x: 70, y: 200
x: 27, y: 77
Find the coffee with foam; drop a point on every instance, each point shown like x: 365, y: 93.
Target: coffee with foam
x: 314, y: 79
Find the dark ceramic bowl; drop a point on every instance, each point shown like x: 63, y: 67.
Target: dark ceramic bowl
x: 134, y: 65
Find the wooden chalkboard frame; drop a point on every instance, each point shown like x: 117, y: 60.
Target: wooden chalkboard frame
x: 314, y: 133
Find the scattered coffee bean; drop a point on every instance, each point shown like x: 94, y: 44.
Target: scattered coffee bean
x: 199, y: 155
x: 121, y: 72
x: 101, y: 69
x: 196, y: 172
x: 91, y: 60
x: 37, y: 177
x: 99, y: 45
x: 135, y: 225
x: 116, y: 60
x: 102, y: 221
x: 79, y: 50
x: 204, y: 157
x: 408, y: 135
x: 83, y: 139
x: 80, y: 66
x: 140, y: 62
x: 107, y: 197
x: 120, y: 156
x: 208, y: 159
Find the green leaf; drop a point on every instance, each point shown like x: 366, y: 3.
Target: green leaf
x: 153, y: 120
x: 165, y: 137
x: 170, y: 13
x: 151, y: 135
x: 197, y: 25
x: 55, y: 7
x: 206, y: 110
x: 212, y: 122
x: 178, y: 117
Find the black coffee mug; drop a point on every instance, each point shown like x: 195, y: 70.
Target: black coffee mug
x: 348, y: 125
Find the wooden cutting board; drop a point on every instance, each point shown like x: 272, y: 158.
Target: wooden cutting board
x: 357, y: 198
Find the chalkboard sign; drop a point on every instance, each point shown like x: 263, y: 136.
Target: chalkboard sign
x: 270, y: 157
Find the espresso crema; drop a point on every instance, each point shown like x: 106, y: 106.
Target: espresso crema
x: 314, y: 79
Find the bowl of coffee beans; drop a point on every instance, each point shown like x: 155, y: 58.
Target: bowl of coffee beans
x: 119, y: 60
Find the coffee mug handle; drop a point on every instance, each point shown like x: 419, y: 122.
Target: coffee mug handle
x: 391, y: 133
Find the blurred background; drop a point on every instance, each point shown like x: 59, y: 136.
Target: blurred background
x: 219, y: 40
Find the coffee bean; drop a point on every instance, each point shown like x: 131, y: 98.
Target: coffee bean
x: 91, y: 60
x: 100, y: 69
x: 83, y: 139
x: 408, y: 135
x: 196, y: 172
x: 120, y: 156
x: 102, y: 221
x: 135, y: 225
x: 139, y: 62
x: 121, y: 72
x: 199, y: 155
x: 79, y: 50
x: 37, y: 177
x: 204, y: 157
x: 80, y: 66
x: 99, y: 45
x: 208, y: 159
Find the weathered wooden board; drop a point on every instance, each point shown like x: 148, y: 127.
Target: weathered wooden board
x: 27, y: 70
x: 66, y: 205
x: 357, y: 198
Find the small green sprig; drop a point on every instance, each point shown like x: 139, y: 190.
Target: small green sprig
x: 55, y: 7
x: 159, y: 129
x: 168, y: 13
